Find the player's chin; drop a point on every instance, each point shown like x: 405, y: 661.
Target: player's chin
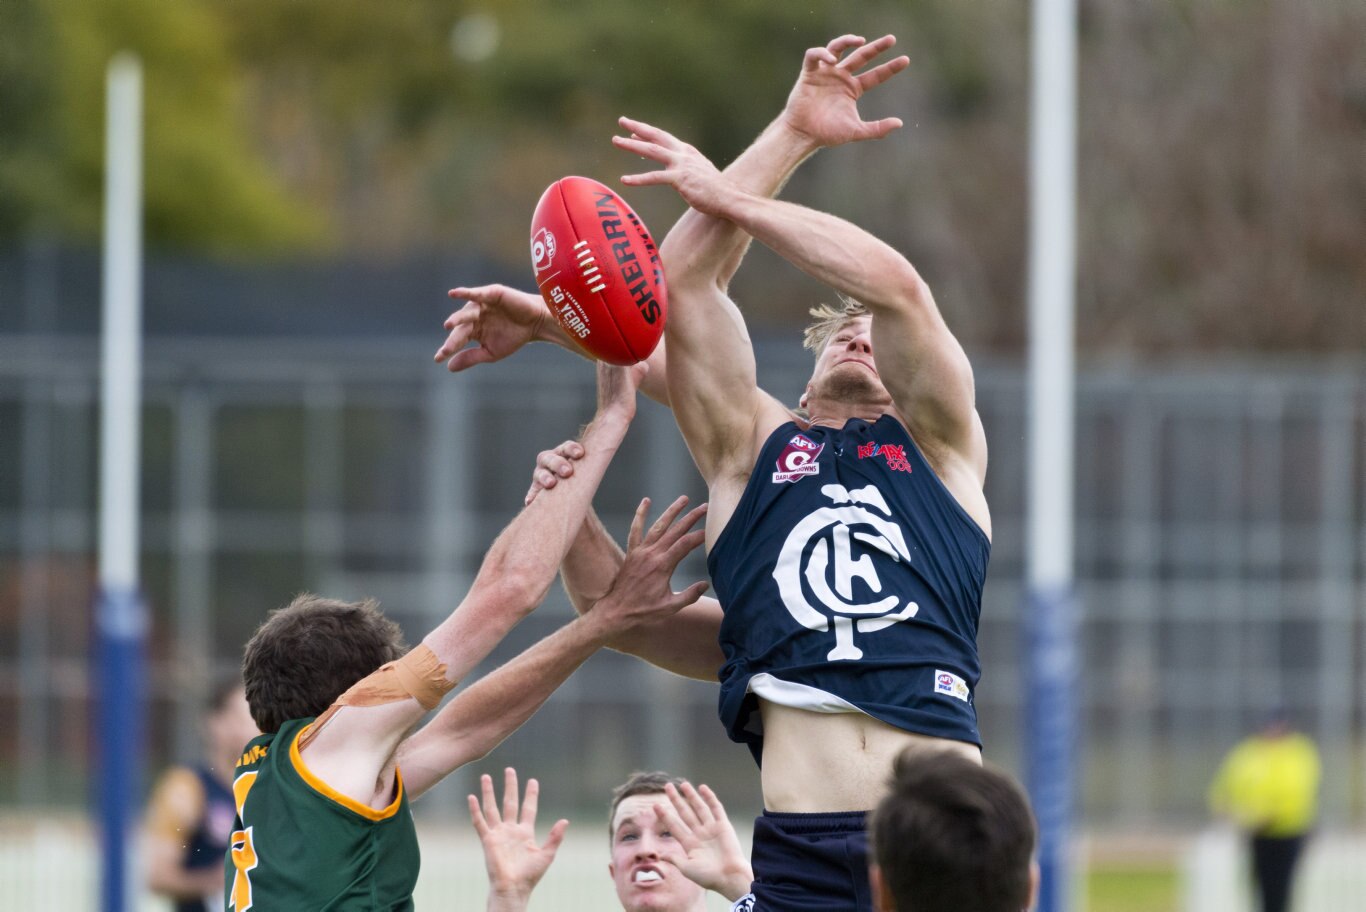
x: 658, y: 899
x: 850, y: 382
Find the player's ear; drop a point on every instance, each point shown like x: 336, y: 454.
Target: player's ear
x: 1033, y: 884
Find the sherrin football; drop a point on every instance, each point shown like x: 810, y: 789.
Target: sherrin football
x: 598, y: 270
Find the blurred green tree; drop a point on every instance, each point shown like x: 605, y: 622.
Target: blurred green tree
x: 206, y: 188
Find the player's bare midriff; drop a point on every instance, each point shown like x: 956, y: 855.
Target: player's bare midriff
x: 828, y: 762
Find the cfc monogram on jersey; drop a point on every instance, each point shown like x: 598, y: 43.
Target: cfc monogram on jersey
x: 851, y: 580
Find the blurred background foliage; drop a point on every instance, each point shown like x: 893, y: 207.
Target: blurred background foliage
x: 1222, y: 142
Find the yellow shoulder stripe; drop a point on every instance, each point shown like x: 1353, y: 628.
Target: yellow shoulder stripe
x: 345, y: 801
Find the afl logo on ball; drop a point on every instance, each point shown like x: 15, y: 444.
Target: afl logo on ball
x: 542, y: 249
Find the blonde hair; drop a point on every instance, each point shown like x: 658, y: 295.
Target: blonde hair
x: 828, y: 318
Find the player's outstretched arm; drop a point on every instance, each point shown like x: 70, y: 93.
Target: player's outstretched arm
x: 712, y: 856
x: 480, y: 717
x: 512, y: 857
x: 684, y: 643
x: 352, y: 747
x: 712, y: 382
x: 499, y: 320
x: 920, y: 362
x: 821, y: 111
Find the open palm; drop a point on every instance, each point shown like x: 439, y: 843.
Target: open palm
x: 824, y: 103
x: 515, y: 862
x: 500, y: 319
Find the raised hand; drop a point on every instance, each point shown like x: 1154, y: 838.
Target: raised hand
x: 514, y: 861
x: 823, y: 105
x: 500, y: 319
x: 712, y: 856
x: 640, y: 593
x: 685, y: 169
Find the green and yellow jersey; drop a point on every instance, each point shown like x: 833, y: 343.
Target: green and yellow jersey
x: 298, y: 844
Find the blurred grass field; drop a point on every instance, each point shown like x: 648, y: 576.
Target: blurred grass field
x: 1118, y: 887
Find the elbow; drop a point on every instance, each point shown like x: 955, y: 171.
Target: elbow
x: 507, y: 586
x: 910, y: 292
x: 686, y: 271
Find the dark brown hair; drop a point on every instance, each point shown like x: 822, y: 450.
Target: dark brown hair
x: 953, y: 835
x: 638, y: 784
x: 307, y: 654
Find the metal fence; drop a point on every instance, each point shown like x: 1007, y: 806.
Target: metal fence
x: 1221, y: 552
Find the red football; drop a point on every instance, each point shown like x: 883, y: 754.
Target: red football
x: 598, y: 270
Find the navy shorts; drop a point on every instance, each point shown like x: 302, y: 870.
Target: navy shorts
x: 811, y: 863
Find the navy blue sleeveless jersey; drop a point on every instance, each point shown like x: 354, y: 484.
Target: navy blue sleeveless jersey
x: 208, y: 844
x: 851, y: 581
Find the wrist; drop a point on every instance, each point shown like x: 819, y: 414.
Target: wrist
x: 595, y: 624
x: 548, y: 329
x: 736, y: 882
x: 794, y: 141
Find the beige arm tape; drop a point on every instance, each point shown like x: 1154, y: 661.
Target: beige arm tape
x: 419, y: 674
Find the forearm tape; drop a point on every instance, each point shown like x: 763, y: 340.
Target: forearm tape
x: 419, y: 675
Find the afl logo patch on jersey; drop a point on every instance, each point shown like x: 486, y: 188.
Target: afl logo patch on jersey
x: 946, y: 682
x: 798, y: 459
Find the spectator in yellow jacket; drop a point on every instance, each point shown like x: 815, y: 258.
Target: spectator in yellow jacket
x: 1268, y: 785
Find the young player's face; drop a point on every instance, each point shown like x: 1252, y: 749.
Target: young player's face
x: 641, y: 866
x: 845, y: 370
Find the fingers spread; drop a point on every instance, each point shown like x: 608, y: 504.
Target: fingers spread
x: 696, y: 806
x: 682, y: 804
x: 490, y: 803
x: 469, y: 358
x: 509, y: 794
x: 666, y: 518
x: 651, y: 133
x: 681, y: 832
x: 552, y: 842
x: 681, y: 548
x: 648, y: 178
x: 815, y: 57
x: 867, y: 52
x: 477, y: 818
x: 467, y: 314
x: 879, y: 128
x: 533, y: 791
x: 843, y: 43
x: 652, y: 151
x: 880, y: 74
x: 691, y: 594
x: 714, y: 805
x: 638, y: 524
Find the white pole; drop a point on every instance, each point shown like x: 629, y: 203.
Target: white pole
x: 121, y: 616
x: 1050, y: 607
x: 122, y: 338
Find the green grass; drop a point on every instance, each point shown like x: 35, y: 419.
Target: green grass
x: 1132, y: 888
